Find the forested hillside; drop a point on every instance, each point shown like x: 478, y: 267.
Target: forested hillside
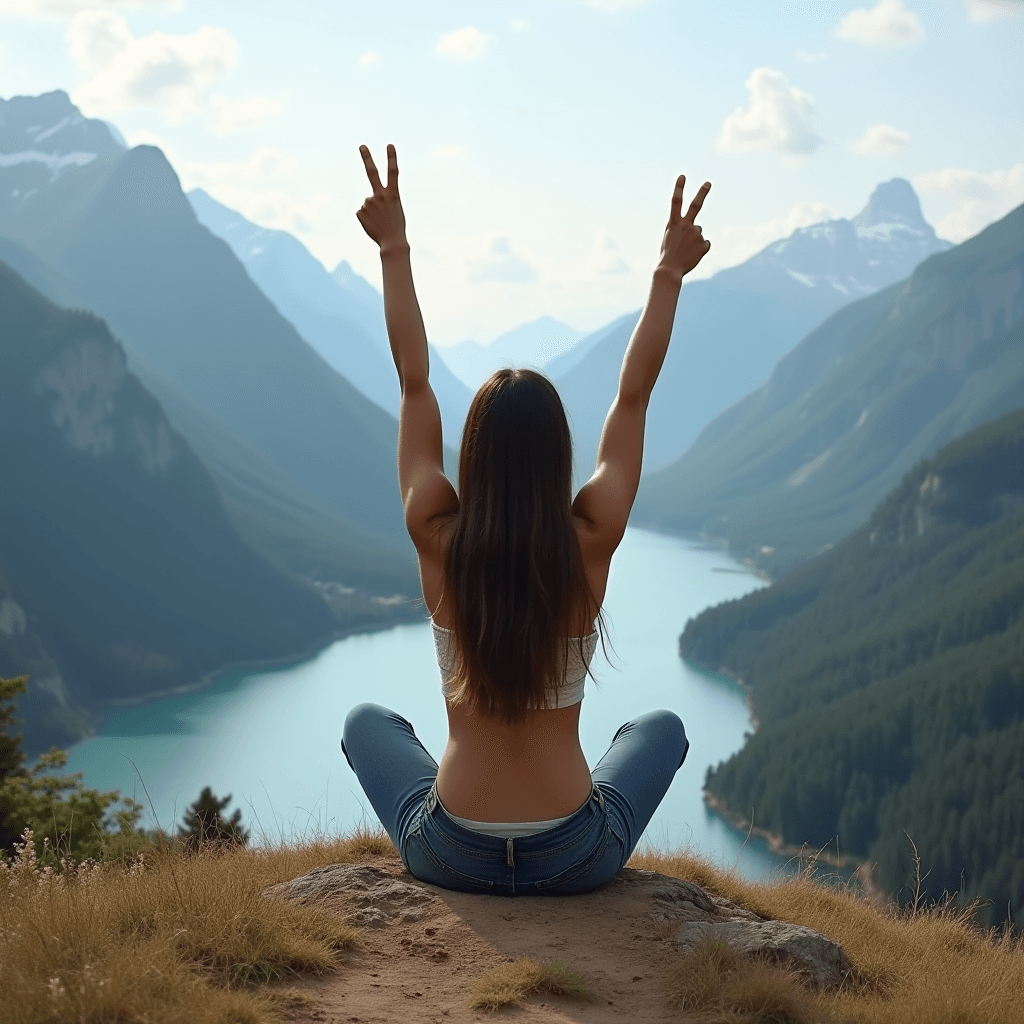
x: 121, y: 575
x: 881, y: 384
x: 887, y: 676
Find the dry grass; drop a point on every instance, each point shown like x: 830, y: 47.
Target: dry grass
x: 511, y: 983
x: 922, y: 965
x: 715, y: 983
x: 167, y: 937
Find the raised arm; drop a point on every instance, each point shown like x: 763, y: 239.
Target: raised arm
x: 605, y: 501
x: 426, y: 491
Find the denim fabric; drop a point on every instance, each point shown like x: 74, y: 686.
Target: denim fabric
x: 585, y: 851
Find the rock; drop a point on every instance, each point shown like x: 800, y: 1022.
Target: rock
x: 378, y: 896
x: 819, y: 959
x: 674, y: 909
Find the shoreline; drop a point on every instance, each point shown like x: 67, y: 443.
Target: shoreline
x: 709, y: 542
x: 861, y: 869
x: 255, y: 666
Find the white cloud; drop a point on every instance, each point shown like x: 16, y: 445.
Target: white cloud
x: 369, y: 58
x: 606, y: 256
x: 38, y: 9
x: 738, y: 242
x: 888, y: 22
x: 518, y: 24
x: 453, y: 152
x: 974, y: 199
x: 171, y: 72
x: 273, y: 208
x: 881, y: 140
x: 145, y: 137
x: 232, y: 115
x: 778, y: 117
x: 252, y: 186
x: 463, y: 44
x: 263, y: 163
x: 501, y: 264
x: 980, y: 11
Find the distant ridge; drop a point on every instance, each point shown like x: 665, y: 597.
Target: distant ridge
x: 732, y: 328
x: 340, y: 315
x: 533, y: 345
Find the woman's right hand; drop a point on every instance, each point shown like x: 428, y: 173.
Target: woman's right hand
x: 381, y: 215
x: 683, y: 246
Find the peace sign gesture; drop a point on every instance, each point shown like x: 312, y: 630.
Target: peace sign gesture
x: 381, y: 215
x: 683, y: 245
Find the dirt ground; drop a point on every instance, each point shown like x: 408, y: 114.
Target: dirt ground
x: 423, y: 971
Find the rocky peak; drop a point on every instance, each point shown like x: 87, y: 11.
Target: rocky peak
x: 51, y: 124
x: 892, y: 203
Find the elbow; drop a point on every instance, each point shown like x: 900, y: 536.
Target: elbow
x: 413, y: 384
x: 633, y: 397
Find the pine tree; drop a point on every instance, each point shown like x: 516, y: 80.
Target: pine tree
x: 202, y: 823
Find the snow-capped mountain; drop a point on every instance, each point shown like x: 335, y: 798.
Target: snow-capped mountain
x: 732, y: 328
x: 855, y: 257
x: 42, y: 137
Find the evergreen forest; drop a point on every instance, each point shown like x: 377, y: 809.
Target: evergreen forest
x: 887, y: 680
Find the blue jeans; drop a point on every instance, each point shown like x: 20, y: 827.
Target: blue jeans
x: 585, y: 851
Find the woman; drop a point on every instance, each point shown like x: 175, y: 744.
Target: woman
x: 513, y: 572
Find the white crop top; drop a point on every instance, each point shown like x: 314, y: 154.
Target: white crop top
x: 561, y: 696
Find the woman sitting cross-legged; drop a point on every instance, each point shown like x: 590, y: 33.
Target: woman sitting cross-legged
x: 514, y: 571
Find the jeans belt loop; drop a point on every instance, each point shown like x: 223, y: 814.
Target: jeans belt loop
x: 508, y: 853
x: 600, y: 798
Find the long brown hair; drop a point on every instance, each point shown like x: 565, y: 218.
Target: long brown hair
x: 513, y: 569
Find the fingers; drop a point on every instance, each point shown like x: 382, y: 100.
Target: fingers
x: 371, y: 170
x: 392, y: 168
x: 677, y: 196
x: 698, y: 201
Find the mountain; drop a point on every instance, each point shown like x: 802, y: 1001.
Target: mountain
x: 41, y: 139
x: 340, y: 315
x: 295, y: 441
x: 121, y: 574
x: 731, y: 329
x: 884, y: 382
x: 887, y: 678
x: 531, y: 345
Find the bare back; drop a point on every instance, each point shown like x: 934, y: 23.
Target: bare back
x: 534, y: 770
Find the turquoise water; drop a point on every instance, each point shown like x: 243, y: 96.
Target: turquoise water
x: 271, y: 738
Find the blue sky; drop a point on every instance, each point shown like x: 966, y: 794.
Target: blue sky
x: 539, y: 139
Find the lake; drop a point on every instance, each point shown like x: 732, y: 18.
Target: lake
x: 271, y: 738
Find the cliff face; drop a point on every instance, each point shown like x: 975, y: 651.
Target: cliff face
x: 120, y: 572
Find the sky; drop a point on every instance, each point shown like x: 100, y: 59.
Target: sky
x: 539, y: 140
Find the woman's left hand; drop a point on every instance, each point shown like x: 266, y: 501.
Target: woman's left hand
x: 382, y: 216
